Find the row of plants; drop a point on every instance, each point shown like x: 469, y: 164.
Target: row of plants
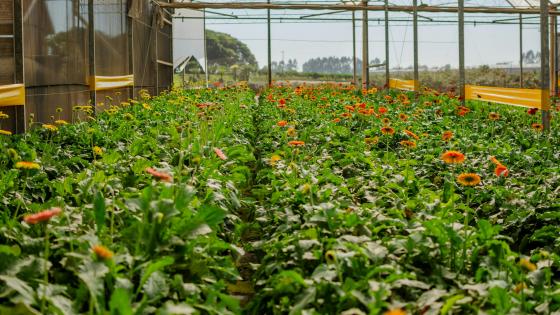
x: 308, y: 200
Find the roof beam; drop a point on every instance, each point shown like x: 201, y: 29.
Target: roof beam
x: 343, y: 7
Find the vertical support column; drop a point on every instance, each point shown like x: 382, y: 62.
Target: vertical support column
x: 91, y: 54
x: 354, y: 61
x: 521, y: 79
x: 130, y: 39
x: 415, y: 33
x: 156, y: 47
x: 365, y: 47
x: 552, y: 57
x: 269, y: 47
x: 20, y: 121
x: 545, y: 78
x: 387, y: 64
x: 462, y: 50
x: 206, y: 75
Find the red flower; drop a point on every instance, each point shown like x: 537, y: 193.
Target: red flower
x: 296, y: 143
x: 164, y: 177
x: 282, y: 123
x: 382, y: 110
x: 282, y: 101
x: 501, y: 170
x: 220, y: 154
x: 532, y: 111
x: 41, y: 216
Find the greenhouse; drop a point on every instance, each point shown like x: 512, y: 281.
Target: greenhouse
x: 279, y: 157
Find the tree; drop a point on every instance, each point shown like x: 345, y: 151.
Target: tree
x: 226, y: 50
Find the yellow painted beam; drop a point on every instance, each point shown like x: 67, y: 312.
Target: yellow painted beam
x: 12, y: 95
x: 406, y: 85
x: 533, y: 98
x: 101, y: 83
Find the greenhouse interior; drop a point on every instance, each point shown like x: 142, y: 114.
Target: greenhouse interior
x: 293, y: 157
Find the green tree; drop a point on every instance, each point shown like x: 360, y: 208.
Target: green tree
x: 226, y: 50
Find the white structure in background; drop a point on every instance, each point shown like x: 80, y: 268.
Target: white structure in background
x: 189, y: 37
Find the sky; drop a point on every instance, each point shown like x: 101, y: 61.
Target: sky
x: 438, y: 42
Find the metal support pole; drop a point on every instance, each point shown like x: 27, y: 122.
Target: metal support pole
x: 365, y: 47
x: 552, y: 57
x: 387, y: 74
x: 269, y: 47
x: 130, y: 42
x: 20, y: 121
x: 545, y: 78
x: 462, y: 50
x: 521, y: 79
x: 354, y: 61
x: 91, y: 54
x: 206, y: 74
x: 415, y: 34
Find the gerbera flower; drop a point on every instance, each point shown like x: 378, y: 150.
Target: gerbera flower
x: 408, y: 144
x: 5, y: 132
x: 373, y: 140
x: 468, y: 179
x: 527, y: 265
x: 403, y: 117
x: 296, y: 143
x: 495, y: 161
x: 97, y: 151
x: 395, y: 311
x: 102, y: 252
x: 50, y: 127
x: 164, y: 177
x: 61, y: 122
x: 220, y: 154
x: 382, y: 110
x: 41, y: 216
x: 330, y: 257
x: 386, y: 121
x: 493, y: 116
x: 411, y: 134
x: 537, y: 127
x: 346, y: 115
x: 282, y: 123
x: 387, y: 130
x: 501, y: 170
x: 274, y: 159
x: 447, y: 135
x: 349, y: 108
x: 453, y: 157
x: 336, y: 120
x: 27, y: 165
x: 291, y: 132
x: 532, y: 111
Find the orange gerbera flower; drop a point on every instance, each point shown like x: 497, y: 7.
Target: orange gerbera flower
x: 408, y: 144
x: 493, y: 116
x: 164, y: 177
x: 373, y: 140
x: 387, y: 130
x: 537, y: 127
x: 346, y: 115
x: 395, y: 311
x: 411, y: 134
x: 336, y: 120
x: 501, y: 170
x: 220, y: 154
x: 102, y: 252
x: 453, y: 157
x: 282, y: 123
x: 296, y: 143
x: 468, y: 179
x: 386, y: 121
x: 41, y: 216
x: 403, y: 117
x: 27, y: 165
x: 447, y: 135
x: 495, y: 161
x: 382, y: 110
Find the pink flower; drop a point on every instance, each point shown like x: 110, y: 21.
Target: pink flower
x: 220, y: 154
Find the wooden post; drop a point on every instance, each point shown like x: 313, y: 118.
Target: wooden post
x: 387, y: 74
x: 415, y: 34
x: 365, y: 47
x: 462, y: 50
x: 545, y: 77
x: 130, y: 39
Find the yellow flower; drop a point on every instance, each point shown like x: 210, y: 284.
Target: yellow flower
x: 527, y: 265
x: 97, y: 151
x: 5, y: 132
x: 274, y: 159
x: 61, y: 122
x: 50, y: 127
x: 27, y: 165
x: 330, y: 256
x: 395, y: 311
x: 4, y: 116
x: 146, y: 106
x: 291, y: 132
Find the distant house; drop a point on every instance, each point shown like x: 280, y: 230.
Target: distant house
x: 190, y: 65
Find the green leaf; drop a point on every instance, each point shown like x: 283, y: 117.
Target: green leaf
x: 99, y: 210
x: 153, y: 267
x: 450, y: 302
x: 120, y: 303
